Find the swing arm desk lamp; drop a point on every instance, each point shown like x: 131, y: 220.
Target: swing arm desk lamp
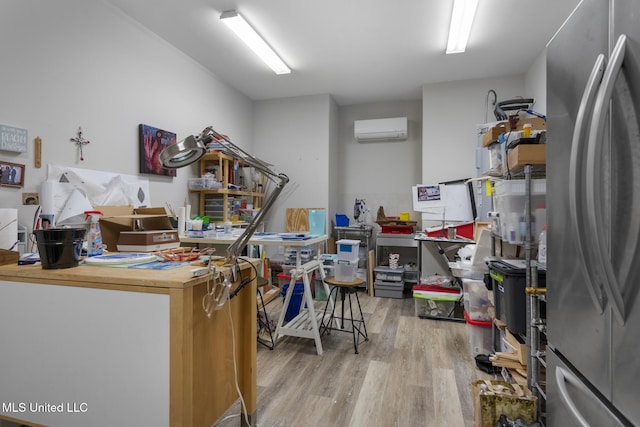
x: 192, y: 148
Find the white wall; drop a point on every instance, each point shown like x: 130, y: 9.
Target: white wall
x: 535, y: 82
x: 380, y: 172
x: 451, y: 113
x: 294, y: 134
x: 75, y: 63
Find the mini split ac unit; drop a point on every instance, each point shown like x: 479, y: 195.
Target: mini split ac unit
x: 380, y: 129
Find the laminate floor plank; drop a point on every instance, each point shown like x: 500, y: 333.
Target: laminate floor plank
x: 370, y: 401
x: 411, y: 372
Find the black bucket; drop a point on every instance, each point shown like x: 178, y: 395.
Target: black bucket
x: 60, y: 247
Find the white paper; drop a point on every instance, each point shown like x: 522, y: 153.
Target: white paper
x: 8, y: 228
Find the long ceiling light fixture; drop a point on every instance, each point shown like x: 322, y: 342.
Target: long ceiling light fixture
x: 248, y: 35
x: 461, y: 21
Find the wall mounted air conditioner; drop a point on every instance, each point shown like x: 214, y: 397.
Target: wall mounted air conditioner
x: 394, y: 129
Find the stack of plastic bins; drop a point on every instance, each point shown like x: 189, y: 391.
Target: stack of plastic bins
x: 388, y: 282
x: 346, y: 264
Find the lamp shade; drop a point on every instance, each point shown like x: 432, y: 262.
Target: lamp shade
x: 182, y: 153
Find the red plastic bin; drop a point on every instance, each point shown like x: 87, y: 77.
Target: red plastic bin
x: 397, y: 229
x: 462, y: 230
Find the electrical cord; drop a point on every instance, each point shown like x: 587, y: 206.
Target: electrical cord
x: 242, y: 284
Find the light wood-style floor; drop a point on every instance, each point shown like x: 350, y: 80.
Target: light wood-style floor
x: 411, y: 372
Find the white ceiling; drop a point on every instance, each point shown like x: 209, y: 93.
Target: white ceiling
x: 359, y: 51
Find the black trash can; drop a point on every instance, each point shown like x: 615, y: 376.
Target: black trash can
x: 60, y: 247
x: 510, y: 299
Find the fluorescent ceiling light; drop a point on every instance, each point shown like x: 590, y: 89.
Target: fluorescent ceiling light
x: 461, y: 20
x: 248, y: 35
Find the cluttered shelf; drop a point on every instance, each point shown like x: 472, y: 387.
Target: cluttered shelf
x: 227, y: 188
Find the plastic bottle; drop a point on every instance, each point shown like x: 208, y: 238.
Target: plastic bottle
x: 542, y: 246
x: 94, y: 237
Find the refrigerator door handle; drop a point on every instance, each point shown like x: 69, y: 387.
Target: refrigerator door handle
x: 562, y: 377
x: 576, y: 195
x: 595, y: 179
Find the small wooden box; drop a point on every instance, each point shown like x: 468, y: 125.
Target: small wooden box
x: 8, y: 257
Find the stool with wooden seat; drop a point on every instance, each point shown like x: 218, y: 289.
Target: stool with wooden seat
x: 358, y: 326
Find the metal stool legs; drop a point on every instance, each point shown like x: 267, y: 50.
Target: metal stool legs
x: 358, y: 326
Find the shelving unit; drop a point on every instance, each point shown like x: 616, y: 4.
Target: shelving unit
x: 220, y: 203
x: 407, y: 247
x: 535, y: 296
x: 536, y: 324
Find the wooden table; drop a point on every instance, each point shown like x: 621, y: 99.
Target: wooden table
x: 106, y: 346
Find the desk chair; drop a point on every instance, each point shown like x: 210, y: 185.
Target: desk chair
x: 358, y: 327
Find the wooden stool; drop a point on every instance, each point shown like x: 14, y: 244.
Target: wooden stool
x: 358, y: 327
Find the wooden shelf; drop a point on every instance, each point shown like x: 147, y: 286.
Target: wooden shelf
x: 223, y: 165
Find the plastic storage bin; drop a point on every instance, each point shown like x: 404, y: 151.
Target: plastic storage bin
x: 345, y: 271
x: 388, y: 289
x: 386, y: 274
x: 509, y: 203
x: 348, y: 250
x: 342, y: 220
x: 477, y: 300
x: 480, y: 336
x: 509, y: 282
x: 435, y: 301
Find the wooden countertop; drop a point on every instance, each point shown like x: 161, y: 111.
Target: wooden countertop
x: 104, y: 277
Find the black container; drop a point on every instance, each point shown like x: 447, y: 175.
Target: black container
x: 509, y: 294
x: 60, y: 247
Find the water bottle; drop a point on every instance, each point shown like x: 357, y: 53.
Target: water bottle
x: 542, y: 246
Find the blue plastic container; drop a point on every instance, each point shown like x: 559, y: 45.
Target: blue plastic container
x: 296, y: 300
x: 342, y: 220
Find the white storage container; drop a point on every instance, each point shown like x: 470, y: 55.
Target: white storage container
x: 348, y: 250
x: 510, y: 203
x: 345, y: 271
x: 477, y: 300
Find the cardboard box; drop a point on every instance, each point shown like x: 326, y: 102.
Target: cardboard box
x: 492, y: 134
x: 127, y: 218
x: 527, y: 154
x: 148, y: 241
x: 536, y: 124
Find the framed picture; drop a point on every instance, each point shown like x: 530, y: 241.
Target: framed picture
x: 12, y: 174
x: 30, y: 198
x: 152, y: 142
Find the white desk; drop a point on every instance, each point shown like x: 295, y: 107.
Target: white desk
x: 272, y: 239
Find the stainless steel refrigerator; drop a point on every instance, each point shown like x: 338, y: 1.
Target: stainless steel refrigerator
x: 593, y: 202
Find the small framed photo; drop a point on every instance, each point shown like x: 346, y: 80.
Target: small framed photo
x: 12, y: 174
x: 30, y: 198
